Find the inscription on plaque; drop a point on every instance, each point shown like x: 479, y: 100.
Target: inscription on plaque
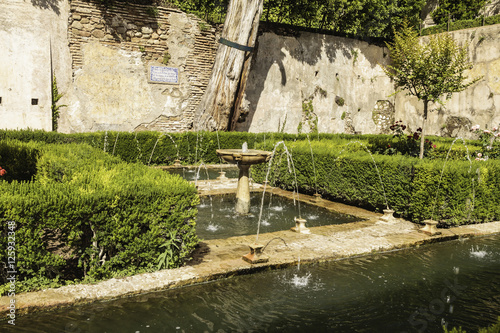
x: 162, y: 74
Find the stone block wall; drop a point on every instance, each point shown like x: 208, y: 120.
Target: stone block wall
x: 112, y: 49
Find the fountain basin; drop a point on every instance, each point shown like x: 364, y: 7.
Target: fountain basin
x: 243, y: 158
x: 240, y: 157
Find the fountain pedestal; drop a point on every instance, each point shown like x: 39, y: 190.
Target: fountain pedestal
x: 300, y: 226
x: 222, y: 176
x: 430, y: 228
x: 243, y: 190
x: 243, y: 159
x: 255, y: 256
x: 388, y: 216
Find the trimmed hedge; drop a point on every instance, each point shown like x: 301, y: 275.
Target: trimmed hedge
x: 155, y: 148
x: 461, y: 24
x: 452, y: 192
x: 88, y: 215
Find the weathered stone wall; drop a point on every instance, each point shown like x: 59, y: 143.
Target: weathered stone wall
x: 479, y: 104
x: 337, y: 85
x: 112, y: 49
x: 298, y: 81
x: 334, y: 84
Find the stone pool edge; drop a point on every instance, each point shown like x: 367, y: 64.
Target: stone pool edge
x: 221, y: 258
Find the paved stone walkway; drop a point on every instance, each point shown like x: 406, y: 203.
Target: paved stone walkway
x: 216, y: 259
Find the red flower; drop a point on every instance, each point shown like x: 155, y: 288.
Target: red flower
x: 2, y: 171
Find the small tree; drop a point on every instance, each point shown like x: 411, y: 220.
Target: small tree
x: 427, y: 70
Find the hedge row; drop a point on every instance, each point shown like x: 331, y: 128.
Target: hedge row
x: 88, y: 215
x: 462, y: 24
x: 154, y: 148
x: 453, y: 193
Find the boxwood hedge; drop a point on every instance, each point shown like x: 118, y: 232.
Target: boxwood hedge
x: 451, y: 191
x: 84, y: 214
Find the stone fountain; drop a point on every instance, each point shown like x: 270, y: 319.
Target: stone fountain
x: 243, y: 158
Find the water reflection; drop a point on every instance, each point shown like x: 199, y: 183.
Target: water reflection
x: 408, y: 291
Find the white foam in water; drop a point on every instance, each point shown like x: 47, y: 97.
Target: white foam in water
x: 277, y: 208
x: 202, y: 205
x: 212, y: 227
x: 312, y: 217
x: 476, y: 252
x: 265, y: 223
x: 300, y: 281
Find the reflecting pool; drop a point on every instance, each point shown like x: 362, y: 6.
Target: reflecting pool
x: 453, y: 283
x: 217, y: 218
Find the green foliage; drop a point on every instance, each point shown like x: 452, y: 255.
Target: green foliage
x: 309, y: 116
x: 355, y: 55
x: 452, y: 192
x: 428, y: 70
x: 56, y: 96
x: 340, y: 101
x: 167, y: 258
x: 152, y: 11
x: 18, y: 159
x: 461, y: 24
x: 406, y: 143
x: 166, y: 58
x: 457, y: 10
x: 88, y: 215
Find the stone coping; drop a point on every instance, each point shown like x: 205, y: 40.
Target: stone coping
x: 222, y: 258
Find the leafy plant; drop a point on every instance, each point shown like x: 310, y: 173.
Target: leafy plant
x: 427, y: 70
x: 340, y: 101
x: 166, y: 58
x: 407, y: 144
x: 457, y: 10
x: 56, y: 96
x: 491, y: 148
x: 166, y: 259
x: 153, y: 11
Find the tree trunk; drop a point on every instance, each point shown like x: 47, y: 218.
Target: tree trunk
x: 422, y: 137
x: 240, y: 27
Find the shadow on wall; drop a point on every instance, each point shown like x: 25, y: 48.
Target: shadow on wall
x: 48, y: 4
x: 305, y: 50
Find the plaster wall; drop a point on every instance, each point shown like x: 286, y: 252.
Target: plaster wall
x: 479, y: 104
x: 32, y: 37
x: 297, y: 81
x: 300, y: 81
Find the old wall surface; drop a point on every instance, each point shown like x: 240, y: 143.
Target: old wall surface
x: 479, y: 104
x: 112, y: 51
x: 298, y: 82
x: 338, y: 83
x: 301, y: 82
x: 32, y: 42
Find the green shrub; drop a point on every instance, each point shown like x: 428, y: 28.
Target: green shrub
x: 451, y: 192
x: 462, y: 24
x: 18, y: 159
x: 88, y: 215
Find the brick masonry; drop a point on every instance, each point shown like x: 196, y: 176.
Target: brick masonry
x: 145, y: 29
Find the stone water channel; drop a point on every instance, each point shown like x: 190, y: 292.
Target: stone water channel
x: 218, y: 259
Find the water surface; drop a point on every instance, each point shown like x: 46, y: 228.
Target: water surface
x: 217, y: 217
x: 416, y: 290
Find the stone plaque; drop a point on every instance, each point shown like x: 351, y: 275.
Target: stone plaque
x: 163, y: 74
